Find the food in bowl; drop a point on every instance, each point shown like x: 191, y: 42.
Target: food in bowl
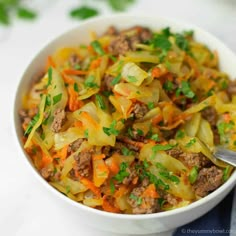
x: 129, y: 122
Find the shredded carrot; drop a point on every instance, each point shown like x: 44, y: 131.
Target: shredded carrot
x: 50, y: 63
x: 99, y: 156
x: 108, y: 207
x: 134, y: 143
x: 74, y: 72
x: 90, y: 119
x: 156, y: 72
x: 67, y: 79
x: 78, y: 124
x: 74, y: 103
x: 135, y: 180
x: 89, y: 184
x: 95, y: 64
x: 114, y: 167
x: 62, y: 154
x: 150, y: 191
x: 121, y: 191
x: 227, y: 117
x: 46, y: 160
x: 156, y: 120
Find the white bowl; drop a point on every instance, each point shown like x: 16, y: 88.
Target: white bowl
x: 118, y: 223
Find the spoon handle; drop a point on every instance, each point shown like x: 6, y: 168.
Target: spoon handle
x: 226, y: 156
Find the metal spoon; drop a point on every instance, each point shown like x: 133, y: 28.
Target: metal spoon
x: 226, y: 155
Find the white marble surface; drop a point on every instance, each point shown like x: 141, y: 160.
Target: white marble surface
x: 25, y: 208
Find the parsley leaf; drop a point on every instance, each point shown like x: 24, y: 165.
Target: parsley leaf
x: 169, y: 176
x: 26, y: 14
x: 161, y: 41
x: 182, y: 42
x: 120, y: 176
x: 191, y: 142
x: 112, y: 129
x: 49, y: 76
x: 31, y: 124
x: 76, y: 88
x: 136, y: 198
x: 86, y: 133
x: 89, y: 82
x: 97, y: 48
x: 116, y: 80
x: 185, y: 89
x: 226, y: 173
x: 100, y: 101
x: 168, y: 86
x: 151, y: 105
x: 193, y: 175
x: 131, y: 79
x: 126, y: 151
x: 179, y: 134
x: 159, y: 147
x: 112, y: 187
x: 57, y: 98
x: 155, y: 137
x: 83, y: 12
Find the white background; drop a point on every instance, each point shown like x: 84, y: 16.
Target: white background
x: 25, y: 208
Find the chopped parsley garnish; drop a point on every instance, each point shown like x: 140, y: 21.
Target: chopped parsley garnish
x: 191, y: 142
x: 116, y: 80
x: 48, y: 100
x: 76, y: 88
x: 26, y: 14
x: 226, y: 173
x: 86, y: 133
x: 224, y: 127
x: 89, y: 82
x: 166, y: 32
x: 224, y: 85
x: 193, y: 175
x: 131, y: 79
x: 49, y: 76
x: 42, y: 136
x: 185, y: 89
x: 161, y: 202
x: 158, y: 182
x: 155, y: 137
x: 151, y: 105
x: 137, y: 199
x: 139, y: 132
x: 83, y: 12
x: 97, y: 48
x: 122, y: 174
x: 235, y: 143
x: 100, y: 101
x: 179, y: 134
x: 31, y: 124
x: 112, y: 129
x: 166, y: 174
x: 182, y: 42
x: 77, y: 67
x: 189, y: 33
x: 159, y: 147
x: 169, y: 176
x: 126, y: 152
x: 67, y: 189
x: 57, y: 98
x: 112, y: 187
x: 107, y: 93
x: 168, y: 86
x: 161, y: 41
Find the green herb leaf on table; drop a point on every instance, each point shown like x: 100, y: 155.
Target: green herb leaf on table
x: 26, y: 14
x: 120, y: 5
x: 83, y: 12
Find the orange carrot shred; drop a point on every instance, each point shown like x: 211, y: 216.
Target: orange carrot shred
x: 226, y: 117
x: 108, y: 207
x: 50, y: 63
x: 89, y: 184
x: 74, y: 72
x: 99, y: 156
x: 150, y: 191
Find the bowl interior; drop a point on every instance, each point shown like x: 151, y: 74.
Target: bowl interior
x: 80, y: 35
